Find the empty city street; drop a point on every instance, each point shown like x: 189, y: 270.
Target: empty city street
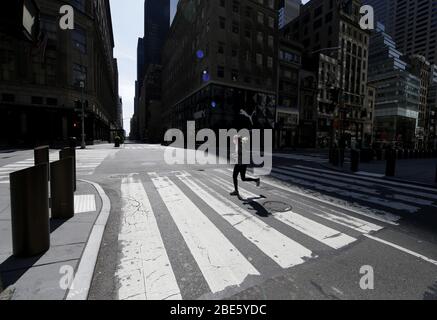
x: 174, y: 232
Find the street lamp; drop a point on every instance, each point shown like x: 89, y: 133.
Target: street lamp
x: 82, y: 102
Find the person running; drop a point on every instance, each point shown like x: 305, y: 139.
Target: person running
x: 240, y: 167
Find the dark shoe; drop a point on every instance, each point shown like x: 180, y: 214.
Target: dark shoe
x: 235, y: 194
x: 258, y: 183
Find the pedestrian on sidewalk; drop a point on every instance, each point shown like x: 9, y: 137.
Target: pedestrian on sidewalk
x: 240, y: 167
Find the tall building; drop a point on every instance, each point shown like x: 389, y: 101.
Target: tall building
x: 337, y: 51
x: 432, y: 107
x: 43, y: 80
x: 290, y: 63
x: 141, y: 59
x: 156, y: 26
x: 412, y: 24
x: 421, y: 68
x: 150, y: 115
x: 384, y: 11
x: 288, y: 11
x: 149, y: 52
x: 220, y: 64
x: 397, y: 92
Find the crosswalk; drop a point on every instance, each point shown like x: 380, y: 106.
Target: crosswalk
x: 144, y: 147
x: 208, y: 222
x: 86, y: 162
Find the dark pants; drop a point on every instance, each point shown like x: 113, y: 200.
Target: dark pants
x: 241, y: 169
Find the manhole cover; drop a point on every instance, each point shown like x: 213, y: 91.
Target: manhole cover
x: 118, y: 176
x: 277, y: 206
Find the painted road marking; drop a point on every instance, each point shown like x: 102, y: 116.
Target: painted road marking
x: 414, y: 254
x: 360, y: 181
x: 84, y: 203
x: 340, y: 218
x: 385, y: 181
x: 315, y: 230
x: 221, y: 263
x: 281, y: 249
x: 145, y: 268
x: 361, y: 193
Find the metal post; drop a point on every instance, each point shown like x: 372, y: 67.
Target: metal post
x: 391, y: 163
x: 355, y: 160
x: 62, y: 191
x: 436, y: 174
x: 41, y: 156
x: 30, y: 211
x: 83, y: 143
x: 70, y: 153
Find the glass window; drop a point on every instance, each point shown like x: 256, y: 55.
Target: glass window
x: 259, y: 59
x: 79, y: 39
x: 260, y: 17
x: 79, y: 74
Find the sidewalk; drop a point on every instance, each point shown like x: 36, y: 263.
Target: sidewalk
x: 422, y: 171
x: 41, y: 277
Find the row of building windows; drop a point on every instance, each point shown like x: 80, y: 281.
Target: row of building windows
x: 236, y: 4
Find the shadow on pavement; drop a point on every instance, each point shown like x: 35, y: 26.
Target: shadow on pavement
x: 13, y: 268
x: 431, y: 294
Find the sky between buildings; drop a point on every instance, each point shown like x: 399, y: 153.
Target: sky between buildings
x: 128, y: 24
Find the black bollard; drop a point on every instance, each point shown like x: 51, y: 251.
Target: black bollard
x: 72, y: 143
x: 62, y: 188
x: 41, y: 156
x: 379, y: 154
x: 355, y: 160
x: 335, y: 157
x: 436, y: 174
x: 391, y: 163
x: 70, y: 153
x: 30, y: 211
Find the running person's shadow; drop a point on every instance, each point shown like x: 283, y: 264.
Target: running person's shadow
x: 259, y: 209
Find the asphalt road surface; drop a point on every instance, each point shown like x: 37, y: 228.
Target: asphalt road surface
x: 175, y: 232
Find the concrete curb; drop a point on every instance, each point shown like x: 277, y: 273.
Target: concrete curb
x: 80, y: 287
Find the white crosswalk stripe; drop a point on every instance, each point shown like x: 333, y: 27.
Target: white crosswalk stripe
x: 284, y: 251
x: 87, y: 162
x: 385, y: 182
x: 326, y: 235
x: 390, y: 194
x: 221, y: 263
x: 375, y: 214
x: 345, y: 189
x: 333, y: 187
x: 315, y: 158
x: 338, y: 217
x: 144, y: 270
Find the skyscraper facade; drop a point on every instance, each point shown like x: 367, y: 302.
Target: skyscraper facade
x: 337, y: 48
x: 397, y: 92
x: 149, y: 51
x: 156, y: 26
x: 43, y: 83
x: 288, y: 11
x: 221, y: 57
x: 412, y: 24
